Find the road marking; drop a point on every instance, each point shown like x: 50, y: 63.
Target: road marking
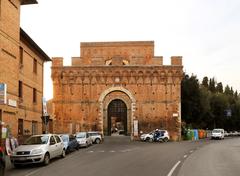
x: 191, y: 151
x: 31, y: 173
x: 126, y: 150
x: 90, y: 151
x: 102, y: 151
x: 174, y: 167
x: 112, y: 151
x: 185, y: 156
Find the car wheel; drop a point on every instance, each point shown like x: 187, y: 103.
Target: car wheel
x: 165, y: 139
x: 46, y: 160
x: 147, y: 139
x: 151, y: 140
x: 2, y: 169
x: 63, y: 153
x: 97, y: 141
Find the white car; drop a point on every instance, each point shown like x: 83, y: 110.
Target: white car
x: 96, y: 137
x: 217, y: 134
x: 147, y: 136
x: 84, y: 139
x: 38, y: 149
x: 163, y: 136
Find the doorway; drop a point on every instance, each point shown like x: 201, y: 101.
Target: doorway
x: 117, y: 118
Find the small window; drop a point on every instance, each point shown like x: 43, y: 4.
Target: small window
x: 35, y: 66
x: 21, y: 56
x: 20, y: 126
x: 20, y: 89
x: 52, y: 141
x: 34, y: 95
x: 34, y: 127
x: 57, y: 139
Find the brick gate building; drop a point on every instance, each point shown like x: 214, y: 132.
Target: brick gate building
x: 117, y: 85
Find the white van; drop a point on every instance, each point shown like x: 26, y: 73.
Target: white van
x: 217, y: 134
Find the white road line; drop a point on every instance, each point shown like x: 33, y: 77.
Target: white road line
x: 102, y: 151
x: 174, y: 167
x: 185, y: 156
x: 112, y: 151
x: 90, y: 151
x: 191, y: 151
x: 31, y: 173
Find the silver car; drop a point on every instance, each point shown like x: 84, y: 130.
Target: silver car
x: 38, y: 149
x: 84, y: 139
x: 96, y: 137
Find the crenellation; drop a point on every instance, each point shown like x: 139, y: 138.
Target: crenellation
x: 176, y: 60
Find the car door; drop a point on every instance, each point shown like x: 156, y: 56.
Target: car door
x: 88, y: 139
x: 59, y: 145
x: 52, y: 147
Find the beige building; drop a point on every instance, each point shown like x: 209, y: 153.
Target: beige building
x: 117, y: 85
x: 21, y: 71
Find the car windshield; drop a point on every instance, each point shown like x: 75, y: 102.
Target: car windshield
x: 81, y: 135
x: 216, y: 131
x: 35, y: 140
x: 64, y: 138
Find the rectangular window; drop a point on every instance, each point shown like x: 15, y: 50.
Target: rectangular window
x: 34, y: 127
x: 21, y: 56
x: 35, y: 66
x: 34, y: 95
x: 20, y: 126
x: 20, y: 89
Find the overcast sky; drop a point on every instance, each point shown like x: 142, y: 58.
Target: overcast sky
x: 205, y: 32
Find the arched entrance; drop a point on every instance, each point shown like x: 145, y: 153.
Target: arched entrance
x: 117, y: 117
x: 109, y: 95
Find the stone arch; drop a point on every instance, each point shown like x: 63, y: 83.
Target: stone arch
x: 118, y: 88
x: 108, y: 96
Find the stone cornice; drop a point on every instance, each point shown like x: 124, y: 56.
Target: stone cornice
x: 119, y: 43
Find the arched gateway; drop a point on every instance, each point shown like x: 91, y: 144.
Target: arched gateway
x: 117, y: 110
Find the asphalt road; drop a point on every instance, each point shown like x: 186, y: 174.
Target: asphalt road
x: 221, y: 158
x: 117, y: 156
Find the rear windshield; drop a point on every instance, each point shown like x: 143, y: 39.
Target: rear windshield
x: 217, y: 131
x: 64, y: 138
x: 36, y: 140
x: 81, y: 135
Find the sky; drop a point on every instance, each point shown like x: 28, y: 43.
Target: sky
x: 205, y: 32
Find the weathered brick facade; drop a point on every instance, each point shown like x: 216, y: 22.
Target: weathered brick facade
x: 21, y: 65
x: 128, y: 72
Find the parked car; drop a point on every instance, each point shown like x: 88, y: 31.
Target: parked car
x: 162, y: 136
x: 147, y: 136
x: 38, y: 149
x: 217, y: 134
x: 96, y: 137
x: 70, y: 142
x: 2, y: 161
x: 84, y: 139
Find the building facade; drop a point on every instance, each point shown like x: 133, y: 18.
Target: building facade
x: 117, y: 85
x: 21, y: 73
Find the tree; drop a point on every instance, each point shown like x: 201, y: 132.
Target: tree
x: 219, y: 87
x: 212, y: 84
x: 190, y: 99
x: 227, y: 90
x: 218, y: 103
x: 205, y: 82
